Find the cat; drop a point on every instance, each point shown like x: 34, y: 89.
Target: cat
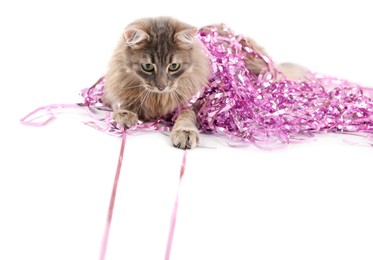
x: 157, y: 66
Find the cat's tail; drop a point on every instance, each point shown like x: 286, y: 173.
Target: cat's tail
x: 291, y: 71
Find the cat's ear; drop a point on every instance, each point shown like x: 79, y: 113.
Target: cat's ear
x: 134, y: 37
x: 185, y: 38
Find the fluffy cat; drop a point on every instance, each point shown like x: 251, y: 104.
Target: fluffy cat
x: 157, y: 66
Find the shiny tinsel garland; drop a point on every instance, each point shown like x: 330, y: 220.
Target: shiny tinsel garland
x: 259, y: 109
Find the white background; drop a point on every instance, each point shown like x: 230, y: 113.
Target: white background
x: 309, y: 201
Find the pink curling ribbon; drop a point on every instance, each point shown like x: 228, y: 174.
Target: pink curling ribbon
x: 174, y: 212
x: 105, y: 237
x: 93, y: 101
x: 27, y: 120
x: 263, y: 111
x: 260, y: 110
x: 247, y: 108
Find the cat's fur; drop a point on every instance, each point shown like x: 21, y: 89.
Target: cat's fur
x: 160, y: 43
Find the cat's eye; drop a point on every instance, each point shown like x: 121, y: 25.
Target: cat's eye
x: 174, y: 67
x: 148, y: 67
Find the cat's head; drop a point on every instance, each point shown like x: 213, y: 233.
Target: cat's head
x: 164, y: 54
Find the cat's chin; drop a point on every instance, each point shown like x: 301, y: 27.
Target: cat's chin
x: 159, y: 91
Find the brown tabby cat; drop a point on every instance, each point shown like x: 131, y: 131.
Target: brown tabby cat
x: 158, y: 65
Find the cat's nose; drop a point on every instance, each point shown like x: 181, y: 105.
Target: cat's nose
x: 161, y: 87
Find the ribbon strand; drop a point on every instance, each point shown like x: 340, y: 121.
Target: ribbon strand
x: 27, y: 121
x: 105, y: 237
x: 174, y: 212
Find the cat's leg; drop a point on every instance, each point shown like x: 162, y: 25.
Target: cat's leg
x: 125, y: 117
x: 185, y: 134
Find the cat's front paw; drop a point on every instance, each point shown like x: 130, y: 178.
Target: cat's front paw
x: 185, y: 138
x: 125, y: 118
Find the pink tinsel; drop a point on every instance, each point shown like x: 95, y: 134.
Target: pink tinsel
x: 249, y: 108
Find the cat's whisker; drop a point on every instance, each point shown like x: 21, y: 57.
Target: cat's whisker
x: 178, y: 98
x: 147, y: 93
x: 137, y: 98
x: 181, y: 98
x: 184, y: 97
x: 155, y: 69
x: 175, y: 96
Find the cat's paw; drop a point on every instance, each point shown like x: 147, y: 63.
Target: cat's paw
x: 125, y: 118
x: 185, y: 138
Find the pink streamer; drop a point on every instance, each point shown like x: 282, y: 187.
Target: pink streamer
x: 174, y: 212
x: 105, y: 237
x: 260, y: 110
x: 27, y: 120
